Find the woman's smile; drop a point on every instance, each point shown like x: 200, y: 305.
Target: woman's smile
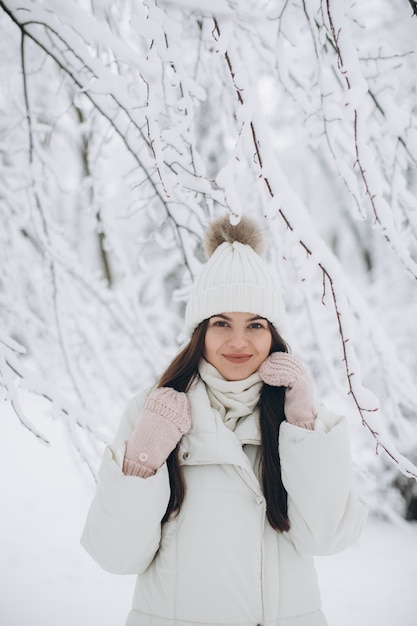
x: 237, y: 358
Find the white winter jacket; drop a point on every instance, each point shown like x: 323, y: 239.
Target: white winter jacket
x: 219, y: 562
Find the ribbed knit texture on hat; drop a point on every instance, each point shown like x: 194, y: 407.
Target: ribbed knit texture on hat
x: 234, y: 279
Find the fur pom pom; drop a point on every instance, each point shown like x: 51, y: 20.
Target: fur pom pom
x: 247, y: 232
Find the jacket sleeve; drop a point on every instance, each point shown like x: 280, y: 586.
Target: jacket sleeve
x: 326, y: 514
x: 123, y: 527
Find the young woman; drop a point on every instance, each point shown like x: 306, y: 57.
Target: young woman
x: 223, y: 480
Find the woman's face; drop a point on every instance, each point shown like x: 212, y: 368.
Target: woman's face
x: 237, y: 343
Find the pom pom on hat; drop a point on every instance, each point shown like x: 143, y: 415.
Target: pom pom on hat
x: 235, y: 277
x: 221, y: 230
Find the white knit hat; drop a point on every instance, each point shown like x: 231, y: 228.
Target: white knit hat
x: 235, y: 277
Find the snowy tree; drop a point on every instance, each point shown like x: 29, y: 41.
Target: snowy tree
x: 126, y: 126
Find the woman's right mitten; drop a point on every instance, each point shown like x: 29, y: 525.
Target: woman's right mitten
x: 165, y: 418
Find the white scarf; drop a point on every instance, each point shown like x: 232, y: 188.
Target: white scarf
x: 233, y: 399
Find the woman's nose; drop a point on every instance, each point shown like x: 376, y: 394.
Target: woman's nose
x: 238, y: 339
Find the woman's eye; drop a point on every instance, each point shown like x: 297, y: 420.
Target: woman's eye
x: 220, y: 323
x: 256, y: 325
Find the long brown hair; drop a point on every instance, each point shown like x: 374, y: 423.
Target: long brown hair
x: 180, y: 374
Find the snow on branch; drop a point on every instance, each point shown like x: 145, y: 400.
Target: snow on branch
x: 71, y: 32
x: 239, y: 62
x: 413, y: 6
x: 127, y: 99
x: 9, y: 373
x: 14, y: 376
x: 357, y: 89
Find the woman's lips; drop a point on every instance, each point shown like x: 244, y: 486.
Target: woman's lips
x: 237, y: 358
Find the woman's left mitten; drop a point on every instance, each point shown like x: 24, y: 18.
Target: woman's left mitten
x: 284, y: 370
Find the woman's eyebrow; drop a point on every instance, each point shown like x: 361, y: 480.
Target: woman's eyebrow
x: 249, y: 319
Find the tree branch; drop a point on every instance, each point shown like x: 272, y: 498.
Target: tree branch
x: 355, y: 391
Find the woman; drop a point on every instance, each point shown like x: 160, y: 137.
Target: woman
x: 223, y: 481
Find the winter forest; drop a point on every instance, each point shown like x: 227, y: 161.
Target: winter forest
x: 126, y: 126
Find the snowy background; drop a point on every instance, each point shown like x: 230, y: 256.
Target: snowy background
x: 124, y: 127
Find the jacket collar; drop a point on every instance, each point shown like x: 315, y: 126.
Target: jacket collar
x: 209, y: 441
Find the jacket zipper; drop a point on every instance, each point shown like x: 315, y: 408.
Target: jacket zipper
x: 260, y: 499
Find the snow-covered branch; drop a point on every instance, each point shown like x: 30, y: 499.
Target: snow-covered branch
x: 357, y: 90
x: 295, y: 216
x: 64, y: 34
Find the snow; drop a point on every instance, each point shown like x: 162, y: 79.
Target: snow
x: 47, y: 579
x: 374, y: 582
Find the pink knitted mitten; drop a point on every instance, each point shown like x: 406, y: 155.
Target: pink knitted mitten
x: 283, y: 370
x: 165, y: 418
